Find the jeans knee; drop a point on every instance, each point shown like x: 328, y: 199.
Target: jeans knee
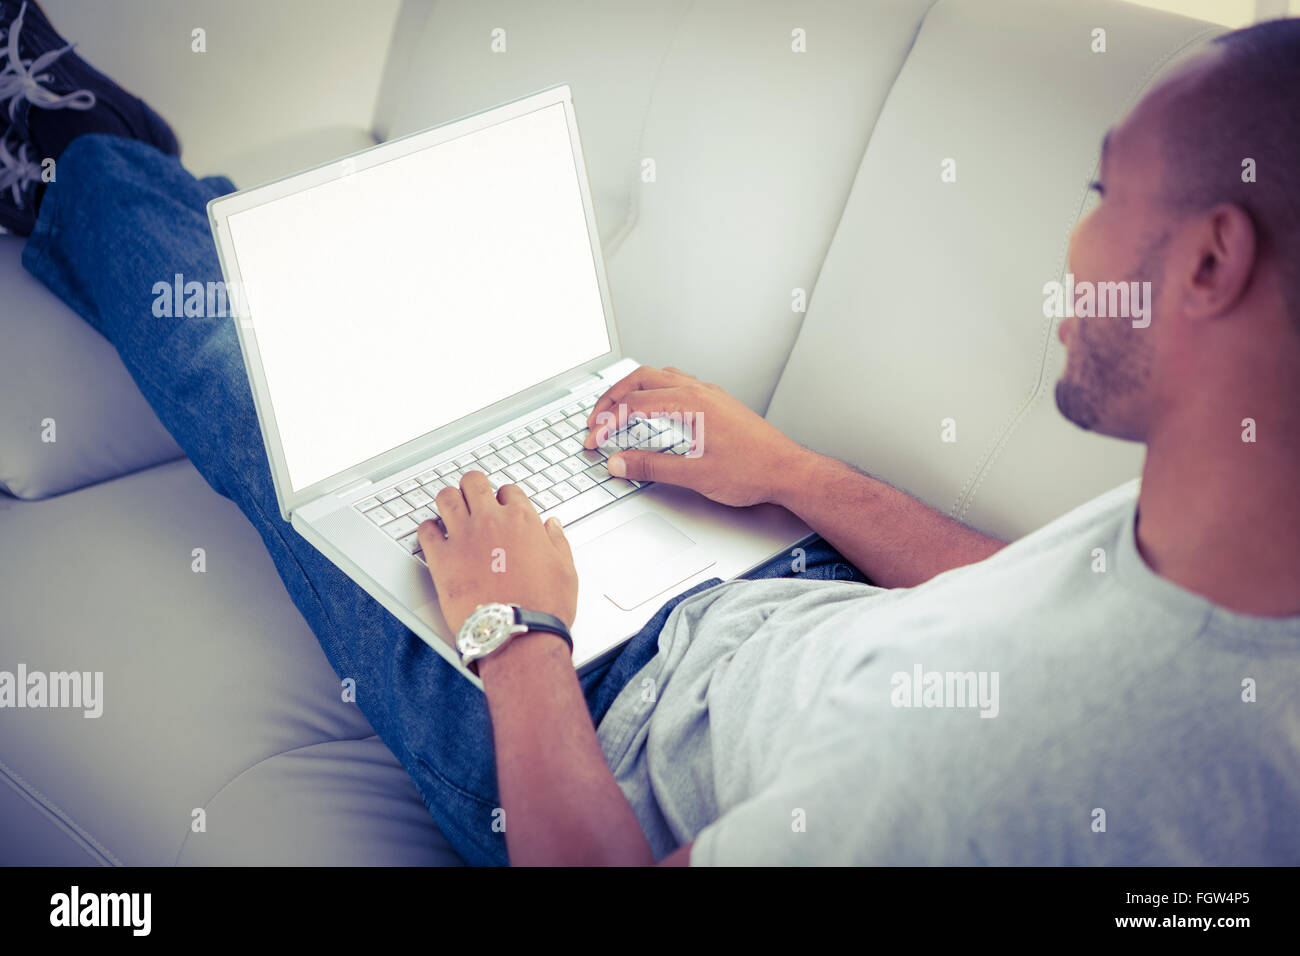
x: 98, y: 162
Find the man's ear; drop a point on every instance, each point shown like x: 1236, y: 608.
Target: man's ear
x: 1226, y: 250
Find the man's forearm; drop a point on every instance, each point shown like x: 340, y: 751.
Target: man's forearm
x: 562, y: 805
x: 894, y: 539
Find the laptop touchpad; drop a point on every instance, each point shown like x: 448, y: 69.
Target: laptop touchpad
x: 639, y: 560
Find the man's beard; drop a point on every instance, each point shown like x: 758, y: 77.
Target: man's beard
x: 1112, y: 365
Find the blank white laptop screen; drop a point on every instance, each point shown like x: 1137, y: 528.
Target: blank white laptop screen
x: 407, y: 295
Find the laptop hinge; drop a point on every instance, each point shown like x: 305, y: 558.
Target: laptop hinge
x: 353, y: 486
x: 586, y: 385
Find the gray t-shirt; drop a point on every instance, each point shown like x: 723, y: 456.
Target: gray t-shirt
x: 1058, y: 703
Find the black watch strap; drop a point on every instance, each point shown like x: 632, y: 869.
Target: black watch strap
x: 539, y: 621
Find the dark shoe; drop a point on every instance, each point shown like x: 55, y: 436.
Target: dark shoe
x: 49, y: 95
x: 19, y: 177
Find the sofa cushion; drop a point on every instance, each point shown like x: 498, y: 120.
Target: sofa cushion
x: 56, y: 368
x: 216, y: 695
x: 756, y: 151
x: 930, y: 303
x: 279, y: 811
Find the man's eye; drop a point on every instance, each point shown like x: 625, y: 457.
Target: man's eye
x: 1097, y: 188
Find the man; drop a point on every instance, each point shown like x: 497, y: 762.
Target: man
x: 1140, y: 711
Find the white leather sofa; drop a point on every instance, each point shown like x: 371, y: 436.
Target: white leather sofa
x: 779, y: 176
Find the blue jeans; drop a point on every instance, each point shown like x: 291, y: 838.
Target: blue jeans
x: 122, y: 217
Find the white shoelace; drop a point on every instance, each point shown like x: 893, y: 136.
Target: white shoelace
x: 17, y: 170
x: 21, y: 79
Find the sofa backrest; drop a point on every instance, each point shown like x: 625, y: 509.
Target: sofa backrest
x: 930, y: 304
x: 780, y: 174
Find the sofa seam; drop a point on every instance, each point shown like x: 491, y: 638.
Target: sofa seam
x: 96, y: 482
x: 87, y: 842
x: 1002, y: 437
x: 253, y: 766
x: 839, y: 220
x: 381, y: 98
x: 632, y: 210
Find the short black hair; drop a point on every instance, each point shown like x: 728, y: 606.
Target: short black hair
x: 1246, y: 106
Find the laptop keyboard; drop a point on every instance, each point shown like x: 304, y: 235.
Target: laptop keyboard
x: 545, y: 458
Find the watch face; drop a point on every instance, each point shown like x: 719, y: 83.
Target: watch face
x: 489, y: 624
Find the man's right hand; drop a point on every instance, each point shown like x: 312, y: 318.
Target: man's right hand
x: 737, y: 458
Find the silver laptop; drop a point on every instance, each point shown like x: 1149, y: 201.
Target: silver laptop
x: 438, y: 304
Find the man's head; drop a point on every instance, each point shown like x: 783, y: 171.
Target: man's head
x: 1200, y: 196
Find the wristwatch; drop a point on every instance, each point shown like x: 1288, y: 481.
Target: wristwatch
x: 491, y: 627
